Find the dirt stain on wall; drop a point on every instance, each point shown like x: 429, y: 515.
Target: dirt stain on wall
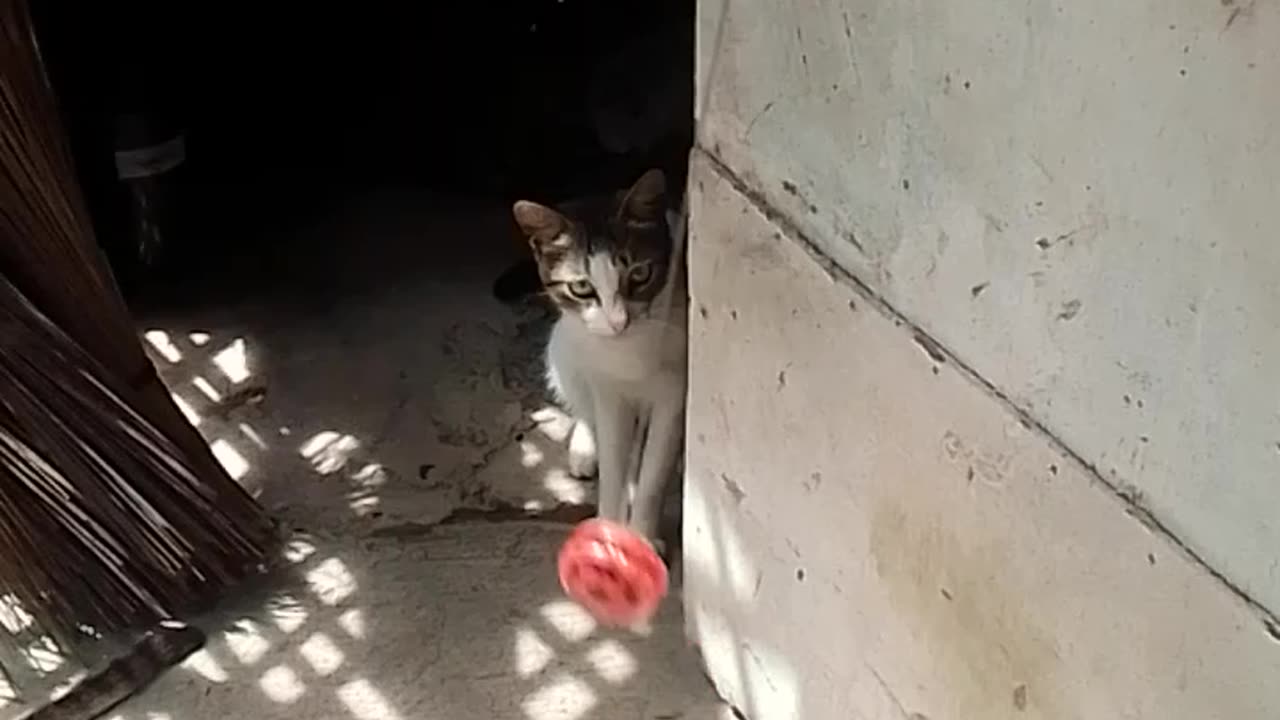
x: 984, y: 651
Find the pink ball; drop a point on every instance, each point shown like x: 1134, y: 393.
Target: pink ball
x: 613, y: 573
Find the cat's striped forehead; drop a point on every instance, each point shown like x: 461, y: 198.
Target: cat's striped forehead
x: 598, y: 225
x: 599, y: 242
x: 603, y: 249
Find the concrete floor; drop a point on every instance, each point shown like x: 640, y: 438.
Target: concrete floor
x: 366, y: 394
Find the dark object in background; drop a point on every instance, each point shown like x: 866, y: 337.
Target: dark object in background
x: 290, y: 113
x: 150, y: 150
x: 518, y: 282
x: 121, y: 75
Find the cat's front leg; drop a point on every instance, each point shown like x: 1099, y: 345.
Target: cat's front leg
x: 615, y: 422
x: 582, y: 450
x: 657, y: 464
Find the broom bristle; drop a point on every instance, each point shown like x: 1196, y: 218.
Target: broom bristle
x: 138, y: 532
x: 113, y: 514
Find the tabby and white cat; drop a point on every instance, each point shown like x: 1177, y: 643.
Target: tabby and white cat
x: 616, y: 359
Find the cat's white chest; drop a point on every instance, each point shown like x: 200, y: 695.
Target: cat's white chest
x: 649, y: 349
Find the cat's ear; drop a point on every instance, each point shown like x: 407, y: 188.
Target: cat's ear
x: 542, y: 225
x: 645, y: 202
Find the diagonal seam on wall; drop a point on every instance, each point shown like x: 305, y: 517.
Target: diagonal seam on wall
x: 1131, y: 502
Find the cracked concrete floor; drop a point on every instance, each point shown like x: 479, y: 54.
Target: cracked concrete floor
x: 371, y: 391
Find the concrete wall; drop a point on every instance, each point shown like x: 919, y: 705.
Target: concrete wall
x: 985, y: 394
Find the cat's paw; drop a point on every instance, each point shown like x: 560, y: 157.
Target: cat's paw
x: 582, y: 465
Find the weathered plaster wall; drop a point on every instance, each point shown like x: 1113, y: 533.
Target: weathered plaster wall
x: 1033, y: 473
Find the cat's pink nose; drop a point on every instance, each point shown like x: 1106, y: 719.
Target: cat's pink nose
x: 617, y: 318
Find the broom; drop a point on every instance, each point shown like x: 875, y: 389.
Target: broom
x: 113, y: 513
x: 104, y: 525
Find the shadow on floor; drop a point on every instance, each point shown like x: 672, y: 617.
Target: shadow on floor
x: 395, y: 393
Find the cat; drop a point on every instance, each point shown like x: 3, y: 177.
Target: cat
x: 636, y: 110
x: 616, y: 357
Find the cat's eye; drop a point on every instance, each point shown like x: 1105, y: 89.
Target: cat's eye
x: 640, y: 274
x: 581, y: 289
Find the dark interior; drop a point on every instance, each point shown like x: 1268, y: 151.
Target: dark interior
x: 287, y: 113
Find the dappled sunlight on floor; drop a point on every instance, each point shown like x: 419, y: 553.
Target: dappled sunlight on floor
x: 380, y: 613
x: 464, y: 623
x: 364, y: 420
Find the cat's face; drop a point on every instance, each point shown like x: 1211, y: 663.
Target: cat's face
x: 603, y: 261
